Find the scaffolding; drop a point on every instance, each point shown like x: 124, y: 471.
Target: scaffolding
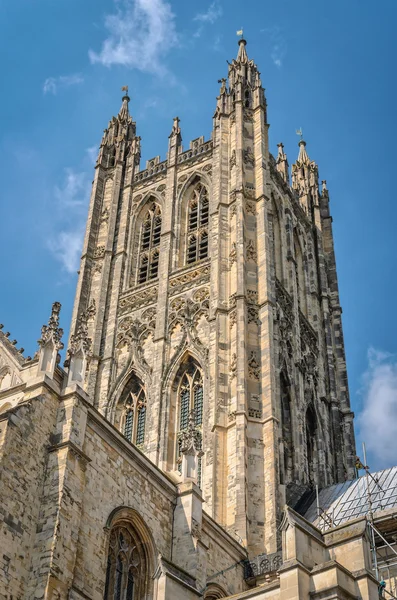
x: 370, y: 496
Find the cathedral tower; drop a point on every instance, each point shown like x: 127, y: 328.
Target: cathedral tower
x: 208, y: 289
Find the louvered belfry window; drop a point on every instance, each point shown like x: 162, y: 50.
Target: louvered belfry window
x: 149, y: 246
x: 190, y: 399
x: 125, y: 572
x: 197, y: 234
x: 135, y: 415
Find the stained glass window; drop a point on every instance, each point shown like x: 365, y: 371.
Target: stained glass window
x: 129, y: 420
x: 125, y: 573
x: 140, y: 430
x: 190, y: 399
x: 134, y: 412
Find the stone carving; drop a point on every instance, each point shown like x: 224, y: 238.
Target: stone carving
x: 105, y: 215
x: 252, y: 296
x: 233, y: 254
x: 248, y: 156
x: 250, y: 208
x: 99, y: 252
x: 187, y: 313
x: 149, y: 316
x: 132, y: 333
x: 189, y: 278
x: 232, y: 161
x: 233, y: 365
x: 232, y: 416
x: 137, y: 198
x: 208, y: 170
x: 253, y: 366
x: 308, y: 335
x: 254, y: 413
x: 262, y: 564
x: 253, y: 314
x: 161, y: 189
x: 249, y: 192
x: 248, y: 116
x: 201, y: 295
x: 138, y: 298
x: 233, y: 210
x: 232, y: 318
x: 52, y: 331
x: 251, y: 251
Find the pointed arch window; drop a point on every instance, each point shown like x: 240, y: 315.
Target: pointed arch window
x: 125, y: 573
x: 311, y: 444
x: 190, y: 396
x: 149, y: 246
x: 198, y: 217
x: 133, y: 420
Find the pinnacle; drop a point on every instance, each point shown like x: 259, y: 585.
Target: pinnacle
x: 303, y: 156
x: 124, y: 112
x: 242, y: 53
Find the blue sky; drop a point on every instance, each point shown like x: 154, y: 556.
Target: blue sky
x: 327, y: 67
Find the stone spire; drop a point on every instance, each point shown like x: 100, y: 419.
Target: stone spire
x: 243, y: 84
x: 50, y: 342
x: 242, y: 56
x: 303, y: 157
x: 305, y: 182
x: 124, y: 114
x: 119, y: 136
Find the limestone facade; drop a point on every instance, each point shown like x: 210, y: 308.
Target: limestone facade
x: 205, y: 382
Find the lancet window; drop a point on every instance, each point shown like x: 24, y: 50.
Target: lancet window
x: 198, y: 214
x: 133, y: 419
x: 125, y: 573
x: 311, y: 444
x: 190, y: 396
x: 148, y: 264
x: 287, y: 449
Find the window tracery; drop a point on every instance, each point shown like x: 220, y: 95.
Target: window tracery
x: 125, y: 571
x: 198, y: 216
x: 149, y: 245
x: 133, y: 420
x: 190, y: 396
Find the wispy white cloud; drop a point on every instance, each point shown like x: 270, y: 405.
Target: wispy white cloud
x: 377, y: 422
x: 212, y: 14
x: 52, y: 84
x: 278, y: 45
x: 71, y: 200
x: 92, y: 154
x: 140, y: 33
x: 66, y: 247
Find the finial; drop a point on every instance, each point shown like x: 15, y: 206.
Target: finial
x: 190, y: 447
x: 79, y: 351
x: 124, y: 112
x: 50, y: 342
x: 303, y: 157
x: 52, y: 331
x: 223, y: 85
x: 242, y: 53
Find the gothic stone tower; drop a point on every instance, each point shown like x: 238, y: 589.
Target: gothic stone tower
x: 208, y: 286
